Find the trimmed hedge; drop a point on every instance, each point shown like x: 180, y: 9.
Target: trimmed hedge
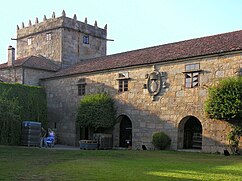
x: 19, y: 103
x: 96, y: 111
x: 160, y: 140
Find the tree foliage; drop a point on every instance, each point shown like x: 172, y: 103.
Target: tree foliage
x: 225, y: 103
x: 96, y: 111
x: 234, y: 138
x: 20, y: 103
x: 225, y: 100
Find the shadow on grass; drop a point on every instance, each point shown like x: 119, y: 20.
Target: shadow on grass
x: 48, y: 164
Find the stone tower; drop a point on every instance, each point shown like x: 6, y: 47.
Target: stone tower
x: 62, y: 39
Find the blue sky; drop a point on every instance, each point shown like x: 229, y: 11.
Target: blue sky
x: 133, y: 24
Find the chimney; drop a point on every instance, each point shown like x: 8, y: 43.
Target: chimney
x: 11, y: 55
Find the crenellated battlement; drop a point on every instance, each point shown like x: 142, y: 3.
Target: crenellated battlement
x: 63, y: 39
x: 59, y: 22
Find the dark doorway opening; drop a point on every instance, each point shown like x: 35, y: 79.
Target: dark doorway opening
x: 192, y: 134
x: 125, y: 132
x: 84, y: 133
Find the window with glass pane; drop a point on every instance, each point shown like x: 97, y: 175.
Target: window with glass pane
x: 81, y: 87
x: 29, y: 41
x: 48, y: 36
x: 192, y: 75
x: 123, y: 85
x: 86, y: 39
x: 192, y: 79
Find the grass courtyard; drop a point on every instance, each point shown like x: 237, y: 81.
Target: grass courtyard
x: 18, y: 163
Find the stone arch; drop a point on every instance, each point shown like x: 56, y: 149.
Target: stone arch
x: 190, y: 133
x: 124, y: 125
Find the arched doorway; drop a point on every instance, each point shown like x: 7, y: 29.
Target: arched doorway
x: 190, y: 133
x: 125, y: 135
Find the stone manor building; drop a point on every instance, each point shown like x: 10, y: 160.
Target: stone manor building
x: 161, y: 88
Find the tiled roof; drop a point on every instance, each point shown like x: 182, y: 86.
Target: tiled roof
x: 168, y: 52
x: 36, y: 62
x: 17, y: 63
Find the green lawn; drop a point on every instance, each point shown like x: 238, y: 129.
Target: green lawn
x: 18, y: 163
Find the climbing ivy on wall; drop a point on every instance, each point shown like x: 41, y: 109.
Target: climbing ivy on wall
x: 20, y: 103
x: 10, y: 121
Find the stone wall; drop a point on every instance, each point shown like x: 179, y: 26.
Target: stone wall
x: 62, y: 102
x: 13, y: 74
x: 166, y: 113
x: 33, y: 76
x: 61, y: 39
x: 75, y: 50
x: 40, y: 45
x: 22, y: 75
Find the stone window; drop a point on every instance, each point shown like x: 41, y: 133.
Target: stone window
x: 192, y: 75
x: 123, y: 81
x: 48, y: 36
x: 29, y: 41
x: 81, y: 87
x: 86, y: 39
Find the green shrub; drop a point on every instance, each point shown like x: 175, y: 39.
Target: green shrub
x: 160, y: 140
x: 96, y: 111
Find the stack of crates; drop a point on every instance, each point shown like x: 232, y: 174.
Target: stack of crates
x: 105, y: 141
x: 31, y: 132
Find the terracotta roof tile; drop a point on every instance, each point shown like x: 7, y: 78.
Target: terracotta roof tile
x: 17, y: 63
x: 36, y: 62
x: 40, y: 62
x: 168, y: 52
x: 4, y: 65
